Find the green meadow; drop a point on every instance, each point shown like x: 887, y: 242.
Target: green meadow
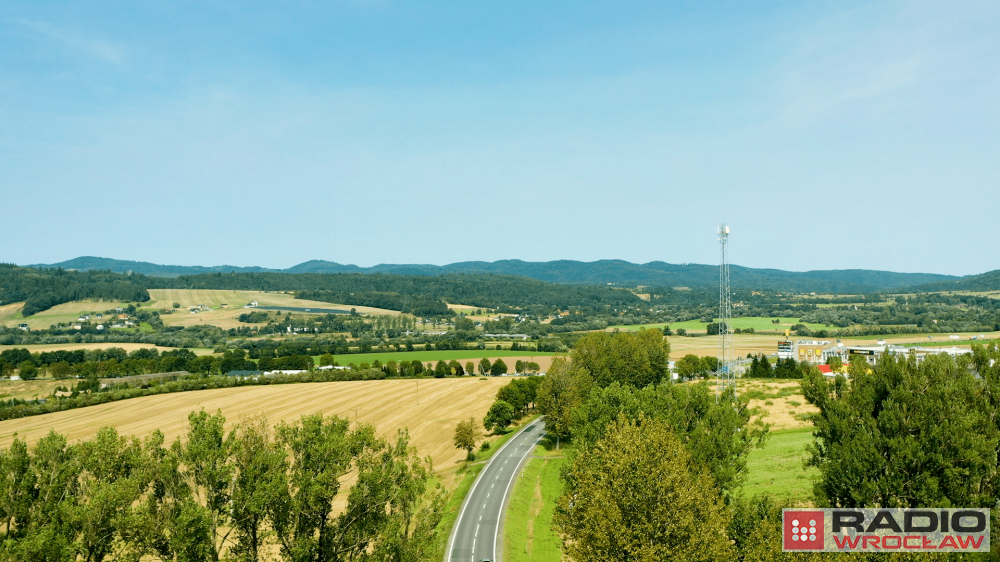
x: 778, y: 469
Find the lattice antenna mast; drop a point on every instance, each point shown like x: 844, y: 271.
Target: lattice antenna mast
x: 726, y: 375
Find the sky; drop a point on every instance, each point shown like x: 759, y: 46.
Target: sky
x: 828, y: 135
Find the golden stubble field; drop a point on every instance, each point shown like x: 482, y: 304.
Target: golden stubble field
x: 430, y: 408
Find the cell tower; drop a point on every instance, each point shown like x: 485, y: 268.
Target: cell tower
x: 726, y: 374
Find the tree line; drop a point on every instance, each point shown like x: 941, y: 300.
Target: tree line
x: 237, y: 495
x: 41, y: 289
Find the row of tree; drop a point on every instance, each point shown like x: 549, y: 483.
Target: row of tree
x: 215, y: 495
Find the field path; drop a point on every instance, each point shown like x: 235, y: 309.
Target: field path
x: 389, y: 404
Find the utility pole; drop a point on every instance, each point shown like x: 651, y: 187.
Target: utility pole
x: 356, y: 417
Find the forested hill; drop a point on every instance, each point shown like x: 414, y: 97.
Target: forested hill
x: 989, y: 281
x: 43, y: 289
x: 570, y: 272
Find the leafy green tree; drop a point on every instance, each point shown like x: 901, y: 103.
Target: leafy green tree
x: 635, y: 358
x: 498, y: 368
x: 484, y: 366
x: 689, y: 366
x: 456, y: 368
x: 209, y: 471
x: 560, y: 393
x: 470, y: 368
x: 638, y: 495
x: 710, y: 364
x: 327, y: 359
x: 515, y: 395
x: 499, y: 416
x: 718, y: 433
x: 176, y: 305
x: 908, y: 433
x: 258, y: 463
x: 466, y: 436
x: 441, y: 370
x: 113, y: 476
x: 322, y: 451
x: 27, y: 370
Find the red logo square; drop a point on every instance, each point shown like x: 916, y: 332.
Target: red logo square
x: 802, y: 530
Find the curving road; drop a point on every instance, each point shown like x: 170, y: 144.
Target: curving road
x: 476, y: 535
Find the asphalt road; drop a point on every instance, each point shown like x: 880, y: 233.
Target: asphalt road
x: 477, y: 534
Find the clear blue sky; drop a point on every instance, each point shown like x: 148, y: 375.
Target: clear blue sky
x: 834, y: 134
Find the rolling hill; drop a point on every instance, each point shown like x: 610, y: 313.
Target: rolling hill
x: 569, y: 272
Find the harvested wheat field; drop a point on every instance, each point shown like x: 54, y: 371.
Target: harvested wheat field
x: 39, y: 348
x: 431, y: 415
x: 213, y: 298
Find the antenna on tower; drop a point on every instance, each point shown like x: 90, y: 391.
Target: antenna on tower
x: 726, y: 373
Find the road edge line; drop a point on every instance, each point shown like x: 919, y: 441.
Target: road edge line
x: 506, y: 501
x: 465, y: 502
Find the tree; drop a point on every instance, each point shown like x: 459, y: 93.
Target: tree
x: 176, y: 305
x: 559, y: 394
x: 327, y: 359
x: 441, y: 370
x: 470, y: 368
x: 635, y: 358
x: 835, y: 363
x: 498, y: 368
x: 60, y: 370
x: 500, y: 415
x: 689, y: 366
x: 901, y: 433
x: 637, y: 495
x: 519, y: 366
x: 209, y: 471
x: 27, y: 370
x: 456, y: 368
x: 322, y: 450
x: 258, y: 461
x: 718, y: 434
x: 484, y: 366
x: 466, y: 436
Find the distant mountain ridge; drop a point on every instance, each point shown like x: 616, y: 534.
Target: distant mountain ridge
x: 572, y: 272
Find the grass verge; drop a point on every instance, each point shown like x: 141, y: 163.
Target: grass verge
x: 778, y: 468
x: 527, y: 529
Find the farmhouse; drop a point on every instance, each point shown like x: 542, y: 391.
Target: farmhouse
x: 23, y: 327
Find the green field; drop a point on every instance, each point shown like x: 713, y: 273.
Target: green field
x: 758, y: 323
x: 527, y: 530
x: 433, y: 356
x: 778, y: 470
